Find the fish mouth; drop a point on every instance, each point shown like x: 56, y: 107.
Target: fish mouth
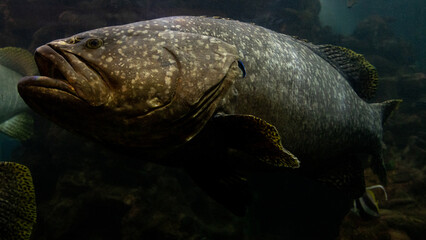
x: 54, y: 72
x: 54, y: 84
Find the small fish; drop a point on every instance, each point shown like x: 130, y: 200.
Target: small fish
x: 367, y: 206
x: 15, y: 119
x: 17, y: 202
x: 350, y: 3
x: 195, y: 91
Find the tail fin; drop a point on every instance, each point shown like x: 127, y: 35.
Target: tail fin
x: 17, y: 201
x: 387, y: 107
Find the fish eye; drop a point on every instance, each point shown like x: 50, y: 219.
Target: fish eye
x: 94, y: 43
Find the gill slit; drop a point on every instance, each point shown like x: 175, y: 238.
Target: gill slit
x: 179, y: 66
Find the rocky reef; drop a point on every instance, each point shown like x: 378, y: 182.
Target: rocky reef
x: 88, y: 192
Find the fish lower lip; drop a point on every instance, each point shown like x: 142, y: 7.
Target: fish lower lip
x: 47, y: 82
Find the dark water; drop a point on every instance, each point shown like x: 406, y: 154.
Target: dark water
x: 405, y: 19
x: 85, y: 191
x: 8, y: 145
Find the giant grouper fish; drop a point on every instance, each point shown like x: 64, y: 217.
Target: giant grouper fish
x: 218, y: 97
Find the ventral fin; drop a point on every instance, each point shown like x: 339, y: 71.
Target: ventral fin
x: 361, y: 75
x: 256, y: 137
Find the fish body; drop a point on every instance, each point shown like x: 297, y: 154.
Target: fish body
x: 367, y: 206
x: 14, y: 119
x: 157, y: 84
x: 11, y: 103
x: 17, y: 202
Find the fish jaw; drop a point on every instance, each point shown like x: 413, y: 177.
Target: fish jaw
x: 62, y: 72
x: 63, y: 93
x: 52, y: 86
x: 48, y: 84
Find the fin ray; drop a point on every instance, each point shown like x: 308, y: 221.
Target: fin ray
x: 255, y: 136
x: 360, y: 74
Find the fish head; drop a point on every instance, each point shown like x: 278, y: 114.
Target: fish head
x: 132, y: 85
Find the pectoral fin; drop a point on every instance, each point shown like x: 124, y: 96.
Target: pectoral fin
x: 228, y: 148
x: 17, y: 202
x: 256, y: 137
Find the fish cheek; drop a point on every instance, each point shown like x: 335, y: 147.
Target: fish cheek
x: 145, y: 85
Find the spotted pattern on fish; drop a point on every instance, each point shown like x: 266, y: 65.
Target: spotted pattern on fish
x: 162, y: 79
x: 17, y: 202
x: 315, y: 109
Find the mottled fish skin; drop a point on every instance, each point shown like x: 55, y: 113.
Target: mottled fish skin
x: 17, y: 202
x: 143, y: 85
x: 315, y: 109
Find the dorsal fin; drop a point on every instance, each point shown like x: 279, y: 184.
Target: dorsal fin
x: 360, y: 74
x: 19, y: 60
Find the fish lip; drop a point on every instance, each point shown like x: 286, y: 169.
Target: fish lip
x: 48, y: 83
x: 54, y: 72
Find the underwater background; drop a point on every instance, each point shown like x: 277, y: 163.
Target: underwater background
x: 85, y: 191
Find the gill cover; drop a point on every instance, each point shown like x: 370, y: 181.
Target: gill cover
x: 206, y: 68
